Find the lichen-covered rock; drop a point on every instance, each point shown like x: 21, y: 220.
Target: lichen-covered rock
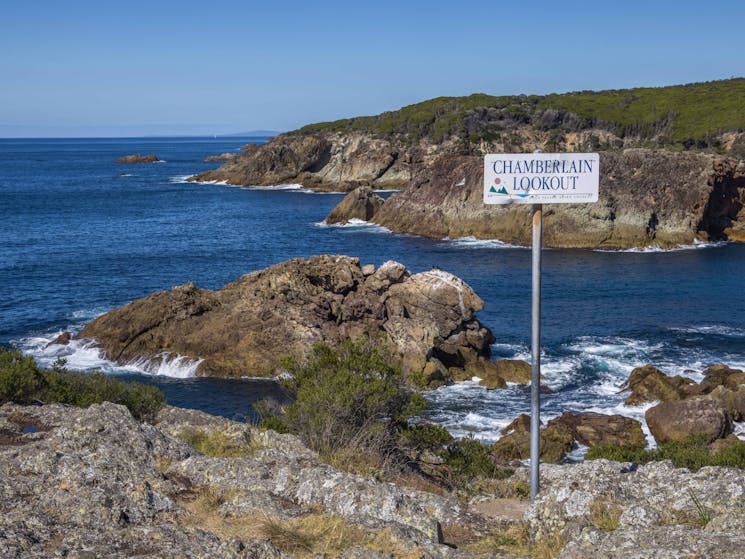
x: 496, y: 374
x: 677, y: 420
x: 97, y: 483
x: 660, y: 510
x: 361, y: 203
x: 246, y: 327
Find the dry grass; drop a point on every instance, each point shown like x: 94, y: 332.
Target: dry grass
x: 217, y: 443
x: 516, y: 540
x: 304, y: 537
x: 605, y: 514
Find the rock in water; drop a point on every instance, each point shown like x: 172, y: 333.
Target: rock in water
x: 138, y: 158
x: 361, y: 203
x: 244, y: 328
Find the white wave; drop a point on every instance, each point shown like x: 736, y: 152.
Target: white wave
x: 739, y: 430
x: 473, y: 242
x: 716, y: 329
x: 386, y: 190
x: 165, y: 364
x: 354, y: 223
x: 181, y: 179
x: 86, y: 355
x: 697, y: 244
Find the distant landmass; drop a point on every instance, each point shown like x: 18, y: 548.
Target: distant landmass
x: 252, y: 133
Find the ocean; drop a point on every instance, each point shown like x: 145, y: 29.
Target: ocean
x: 78, y: 239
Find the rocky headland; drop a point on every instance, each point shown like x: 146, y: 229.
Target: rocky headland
x: 427, y: 320
x: 139, y: 158
x: 667, y: 177
x: 95, y: 482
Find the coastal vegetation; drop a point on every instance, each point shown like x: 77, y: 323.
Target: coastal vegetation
x: 22, y: 381
x: 353, y: 407
x: 694, y: 453
x: 686, y: 116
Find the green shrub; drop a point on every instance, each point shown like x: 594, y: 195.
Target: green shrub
x: 426, y: 437
x: 470, y: 459
x: 274, y: 423
x: 216, y: 443
x: 22, y: 381
x: 345, y: 396
x: 693, y: 453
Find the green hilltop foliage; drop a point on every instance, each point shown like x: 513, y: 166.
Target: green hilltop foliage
x: 683, y: 114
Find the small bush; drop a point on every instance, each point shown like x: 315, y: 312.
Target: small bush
x: 22, y: 381
x: 426, y: 437
x: 215, y: 443
x: 605, y: 514
x: 339, y: 396
x: 693, y: 453
x: 470, y: 459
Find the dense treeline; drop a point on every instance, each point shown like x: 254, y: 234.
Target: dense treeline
x: 688, y: 116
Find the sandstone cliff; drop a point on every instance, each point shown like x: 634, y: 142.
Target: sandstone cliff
x: 427, y: 319
x: 647, y: 198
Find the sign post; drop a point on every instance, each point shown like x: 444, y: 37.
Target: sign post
x: 538, y: 178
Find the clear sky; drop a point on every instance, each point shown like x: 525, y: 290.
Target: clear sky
x: 110, y: 68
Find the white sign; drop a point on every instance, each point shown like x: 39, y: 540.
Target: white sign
x: 541, y: 178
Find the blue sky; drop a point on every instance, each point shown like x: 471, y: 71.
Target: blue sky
x: 130, y: 68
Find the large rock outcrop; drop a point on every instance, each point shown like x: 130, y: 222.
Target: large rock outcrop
x: 362, y: 203
x: 336, y: 162
x: 647, y: 198
x: 138, y: 158
x: 244, y: 328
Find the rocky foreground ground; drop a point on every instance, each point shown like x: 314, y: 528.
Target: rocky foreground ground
x: 95, y: 482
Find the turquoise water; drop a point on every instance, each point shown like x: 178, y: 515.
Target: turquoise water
x: 77, y: 239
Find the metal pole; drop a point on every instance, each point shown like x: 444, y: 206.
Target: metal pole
x: 535, y: 346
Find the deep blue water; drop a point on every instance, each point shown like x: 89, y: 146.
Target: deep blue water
x: 77, y: 239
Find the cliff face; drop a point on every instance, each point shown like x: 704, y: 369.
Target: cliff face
x: 320, y: 162
x: 246, y: 327
x: 647, y: 198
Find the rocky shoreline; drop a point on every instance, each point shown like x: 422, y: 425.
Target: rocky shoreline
x: 96, y: 482
x: 648, y: 197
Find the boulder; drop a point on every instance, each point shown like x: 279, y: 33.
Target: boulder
x: 733, y: 401
x: 677, y: 420
x: 246, y: 327
x: 361, y: 203
x: 556, y: 440
x: 138, y: 158
x: 649, y: 384
x: 595, y: 429
x: 722, y: 375
x: 63, y: 339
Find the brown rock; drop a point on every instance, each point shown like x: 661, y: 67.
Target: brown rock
x: 648, y: 384
x: 556, y: 440
x: 138, y: 158
x: 733, y: 401
x: 594, y: 429
x: 244, y: 328
x: 722, y: 375
x: 677, y: 420
x: 361, y: 203
x: 63, y: 339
